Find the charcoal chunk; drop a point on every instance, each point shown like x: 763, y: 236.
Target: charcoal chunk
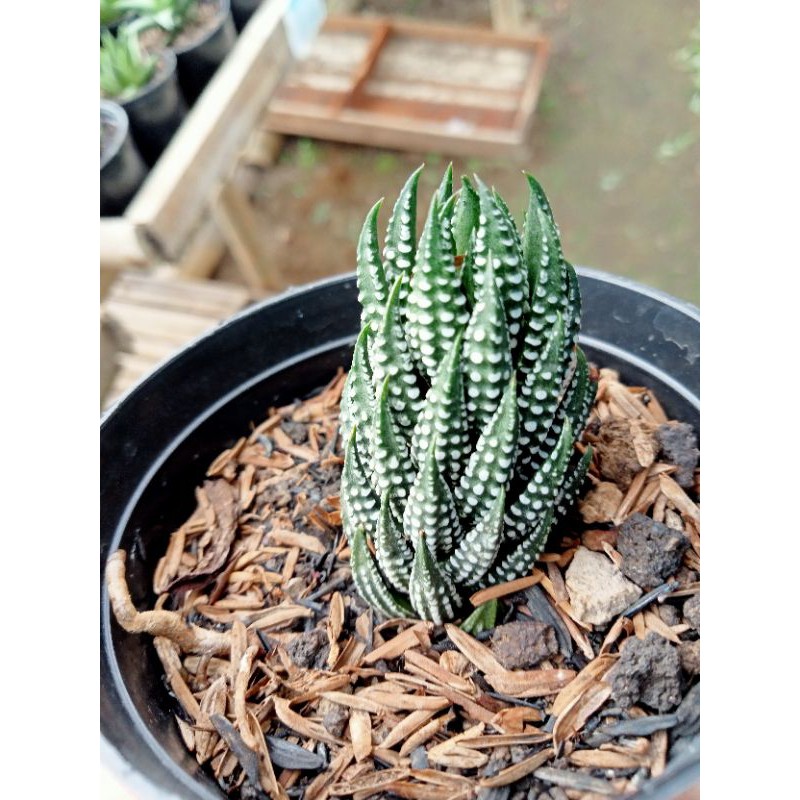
x: 648, y: 671
x: 679, y: 446
x: 306, y: 646
x: 650, y: 550
x: 520, y: 645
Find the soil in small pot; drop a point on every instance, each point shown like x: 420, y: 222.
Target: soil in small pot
x: 204, y: 20
x: 285, y: 680
x: 201, y: 46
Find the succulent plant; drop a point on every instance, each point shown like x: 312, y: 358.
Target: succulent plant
x: 124, y: 68
x: 465, y: 397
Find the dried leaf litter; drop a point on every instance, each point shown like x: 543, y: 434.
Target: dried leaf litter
x: 287, y: 685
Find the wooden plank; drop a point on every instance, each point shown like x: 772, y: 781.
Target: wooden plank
x: 167, y: 207
x: 391, y: 133
x: 206, y: 298
x: 506, y: 15
x: 140, y: 319
x: 377, y: 41
x: 240, y: 228
x: 120, y: 247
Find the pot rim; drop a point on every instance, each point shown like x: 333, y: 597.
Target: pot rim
x: 683, y: 306
x: 116, y: 114
x: 223, y: 13
x: 166, y: 68
x: 682, y: 774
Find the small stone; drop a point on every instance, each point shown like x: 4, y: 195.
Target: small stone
x: 679, y: 446
x: 650, y: 550
x: 520, y: 645
x: 689, y: 653
x: 305, y: 647
x: 334, y: 717
x: 601, y: 503
x: 691, y: 611
x: 648, y: 671
x: 624, y: 448
x: 669, y: 614
x: 419, y: 758
x: 598, y: 591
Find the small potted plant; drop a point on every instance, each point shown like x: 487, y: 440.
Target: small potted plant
x: 112, y: 13
x: 146, y: 86
x: 122, y: 169
x: 413, y: 494
x: 200, y: 32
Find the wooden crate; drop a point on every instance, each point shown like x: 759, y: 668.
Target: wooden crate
x: 413, y: 85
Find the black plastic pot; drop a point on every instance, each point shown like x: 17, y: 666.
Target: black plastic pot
x: 158, y: 440
x: 198, y: 61
x: 122, y: 169
x: 242, y: 10
x: 156, y: 112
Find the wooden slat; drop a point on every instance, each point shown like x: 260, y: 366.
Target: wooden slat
x: 169, y: 204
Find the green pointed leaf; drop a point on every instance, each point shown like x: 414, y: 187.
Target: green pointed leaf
x: 497, y: 237
x: 487, y: 356
x: 358, y: 397
x: 372, y: 286
x: 573, y: 482
x: 491, y: 463
x: 395, y: 554
x: 444, y: 414
x: 519, y: 558
x: 390, y: 457
x: 360, y: 504
x: 550, y: 274
x: 400, y: 243
x: 435, y: 308
x: 465, y: 216
x: 541, y: 244
x: 430, y: 508
x: 468, y: 274
x: 483, y: 618
x: 370, y: 583
x: 542, y: 491
x: 445, y: 190
x: 432, y: 593
x: 541, y: 390
x: 575, y: 406
x: 477, y: 551
x: 390, y: 358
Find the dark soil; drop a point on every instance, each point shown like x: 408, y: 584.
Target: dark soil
x: 204, y: 19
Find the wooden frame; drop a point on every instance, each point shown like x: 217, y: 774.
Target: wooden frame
x: 344, y: 114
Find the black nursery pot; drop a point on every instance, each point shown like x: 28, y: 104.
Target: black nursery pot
x: 158, y: 440
x: 242, y: 10
x: 156, y: 112
x: 122, y: 169
x: 198, y: 60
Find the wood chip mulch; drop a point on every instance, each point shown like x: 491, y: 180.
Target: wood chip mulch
x: 287, y: 685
